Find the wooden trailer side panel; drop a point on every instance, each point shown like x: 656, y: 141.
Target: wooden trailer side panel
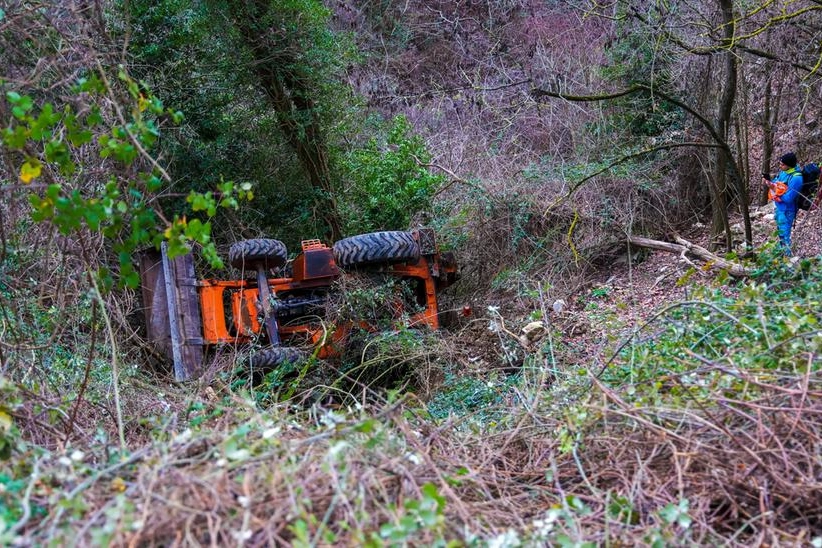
x: 172, y: 310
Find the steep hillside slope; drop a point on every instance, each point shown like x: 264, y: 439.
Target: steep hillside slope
x: 613, y: 424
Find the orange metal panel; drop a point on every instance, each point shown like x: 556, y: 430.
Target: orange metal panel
x: 243, y: 297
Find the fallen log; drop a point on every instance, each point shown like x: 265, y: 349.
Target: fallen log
x: 683, y: 247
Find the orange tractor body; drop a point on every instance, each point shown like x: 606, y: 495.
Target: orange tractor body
x: 185, y: 316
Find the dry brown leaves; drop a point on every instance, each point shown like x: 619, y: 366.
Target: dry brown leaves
x: 749, y: 469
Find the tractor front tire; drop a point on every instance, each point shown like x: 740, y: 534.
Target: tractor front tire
x: 376, y: 247
x: 269, y: 359
x: 247, y: 254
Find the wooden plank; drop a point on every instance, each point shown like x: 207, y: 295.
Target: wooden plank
x: 190, y: 318
x: 173, y: 315
x: 155, y: 309
x: 172, y: 310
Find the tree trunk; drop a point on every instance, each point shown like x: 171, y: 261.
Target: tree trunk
x: 291, y: 97
x: 770, y: 119
x: 720, y: 225
x: 767, y: 137
x: 726, y: 162
x: 743, y: 131
x: 684, y: 247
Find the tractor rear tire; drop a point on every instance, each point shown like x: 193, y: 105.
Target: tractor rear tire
x: 247, y: 254
x: 376, y: 247
x: 269, y: 359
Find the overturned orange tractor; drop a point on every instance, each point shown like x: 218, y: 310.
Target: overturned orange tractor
x: 185, y: 316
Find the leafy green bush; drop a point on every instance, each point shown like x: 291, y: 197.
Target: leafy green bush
x: 45, y: 141
x: 767, y: 325
x: 389, y: 182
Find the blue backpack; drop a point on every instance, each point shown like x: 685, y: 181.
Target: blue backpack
x: 810, y: 184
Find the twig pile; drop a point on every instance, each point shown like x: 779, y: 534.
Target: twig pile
x: 748, y: 468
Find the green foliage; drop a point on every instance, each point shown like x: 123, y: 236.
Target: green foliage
x: 460, y: 395
x: 186, y: 52
x: 382, y: 360
x: 123, y: 209
x: 384, y: 302
x: 676, y: 514
x: 636, y: 57
x: 423, y: 516
x: 280, y: 383
x: 235, y: 131
x: 10, y: 510
x: 198, y: 55
x: 198, y: 413
x: 766, y: 325
x: 389, y: 183
x: 8, y: 430
x: 621, y: 509
x: 600, y: 292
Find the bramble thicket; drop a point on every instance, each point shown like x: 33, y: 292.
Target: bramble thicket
x: 601, y: 392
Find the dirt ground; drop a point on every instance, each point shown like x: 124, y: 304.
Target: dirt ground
x: 653, y: 281
x: 621, y: 298
x: 609, y: 307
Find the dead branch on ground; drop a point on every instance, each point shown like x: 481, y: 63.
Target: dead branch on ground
x: 683, y: 247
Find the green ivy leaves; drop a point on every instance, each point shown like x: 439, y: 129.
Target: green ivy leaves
x: 20, y: 104
x: 50, y: 142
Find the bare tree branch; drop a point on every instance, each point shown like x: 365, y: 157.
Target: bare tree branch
x: 707, y: 124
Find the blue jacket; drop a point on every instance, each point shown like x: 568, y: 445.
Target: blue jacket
x: 792, y: 178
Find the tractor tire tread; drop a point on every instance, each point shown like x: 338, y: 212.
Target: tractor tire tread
x: 376, y: 247
x: 271, y: 358
x: 246, y: 254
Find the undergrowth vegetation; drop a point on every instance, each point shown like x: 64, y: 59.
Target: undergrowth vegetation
x: 536, y: 138
x: 692, y: 427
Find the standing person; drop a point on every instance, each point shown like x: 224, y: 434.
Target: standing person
x: 784, y: 190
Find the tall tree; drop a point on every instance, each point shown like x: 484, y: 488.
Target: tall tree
x: 700, y: 33
x: 286, y: 41
x: 723, y: 123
